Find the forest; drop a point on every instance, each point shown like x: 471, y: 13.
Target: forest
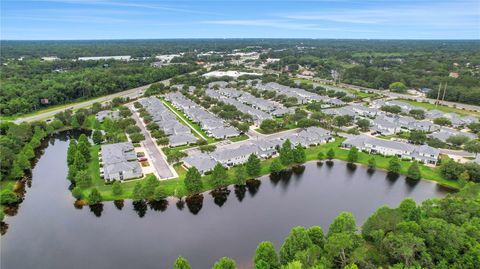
x: 25, y: 83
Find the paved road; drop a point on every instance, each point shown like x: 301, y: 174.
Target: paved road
x: 157, y: 159
x: 459, y: 153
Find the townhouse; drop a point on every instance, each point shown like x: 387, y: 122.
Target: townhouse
x: 119, y: 162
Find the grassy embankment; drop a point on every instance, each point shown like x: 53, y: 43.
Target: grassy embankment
x: 442, y: 108
x: 175, y: 187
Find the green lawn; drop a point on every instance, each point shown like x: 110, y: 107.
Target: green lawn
x: 442, y: 108
x: 175, y: 187
x: 183, y: 117
x: 238, y: 138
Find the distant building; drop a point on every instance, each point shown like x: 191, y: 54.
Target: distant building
x: 120, y: 58
x: 102, y: 115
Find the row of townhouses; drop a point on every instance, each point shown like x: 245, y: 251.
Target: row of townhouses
x: 178, y: 134
x: 263, y: 147
x: 212, y: 124
x: 424, y: 153
x: 119, y: 162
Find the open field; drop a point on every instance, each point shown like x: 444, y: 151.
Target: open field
x: 442, y: 108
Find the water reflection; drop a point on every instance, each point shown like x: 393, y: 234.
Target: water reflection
x: 351, y: 168
x: 298, y: 169
x: 194, y: 203
x: 158, y: 205
x: 180, y: 204
x: 119, y: 204
x: 96, y: 209
x: 140, y: 207
x: 220, y: 196
x: 240, y: 191
x: 253, y: 185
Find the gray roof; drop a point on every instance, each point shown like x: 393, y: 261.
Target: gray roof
x: 119, y: 157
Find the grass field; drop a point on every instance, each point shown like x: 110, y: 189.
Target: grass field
x: 175, y: 187
x: 445, y: 109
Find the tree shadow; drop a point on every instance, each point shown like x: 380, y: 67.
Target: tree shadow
x: 298, y: 169
x: 180, y: 204
x: 329, y: 163
x: 392, y: 177
x: 370, y: 172
x: 351, y: 168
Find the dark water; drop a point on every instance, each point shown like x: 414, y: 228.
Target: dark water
x: 49, y: 232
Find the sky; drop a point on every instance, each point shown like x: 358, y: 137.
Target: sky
x: 142, y: 19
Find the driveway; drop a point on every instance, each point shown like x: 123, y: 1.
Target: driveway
x: 156, y: 157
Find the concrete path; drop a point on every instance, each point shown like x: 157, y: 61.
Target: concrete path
x: 156, y: 157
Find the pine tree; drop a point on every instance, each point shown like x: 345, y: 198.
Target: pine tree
x: 159, y: 193
x: 372, y: 162
x: 84, y: 149
x: 193, y: 182
x: 181, y: 263
x: 95, y: 197
x: 23, y: 161
x: 394, y: 165
x: 330, y: 154
x: 253, y: 165
x: 286, y: 153
x: 72, y: 151
x: 240, y: 175
x: 97, y: 137
x: 117, y: 188
x: 276, y: 166
x: 138, y: 194
x: 299, y: 155
x: 320, y: 156
x: 83, y: 179
x: 80, y: 163
x: 353, y: 155
x: 219, y: 176
x: 414, y: 171
x: 149, y: 186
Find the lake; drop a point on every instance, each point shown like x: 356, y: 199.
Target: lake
x: 49, y: 232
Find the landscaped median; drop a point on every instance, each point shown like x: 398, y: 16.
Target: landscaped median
x: 176, y: 187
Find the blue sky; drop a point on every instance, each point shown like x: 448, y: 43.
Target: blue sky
x: 117, y: 19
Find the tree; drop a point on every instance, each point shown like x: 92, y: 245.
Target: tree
x: 80, y: 163
x: 330, y: 154
x: 450, y: 169
x: 276, y: 166
x: 193, y: 181
x: 225, y: 263
x: 286, y: 153
x: 95, y: 197
x: 83, y: 179
x: 117, y: 188
x: 414, y: 171
x: 265, y: 253
x: 418, y: 114
x: 253, y: 165
x: 299, y: 155
x: 339, y: 246
x: 363, y: 124
x: 22, y: 161
x: 240, y: 175
x: 315, y: 233
x: 7, y: 197
x: 136, y: 137
x: 394, y: 165
x: 72, y: 151
x: 320, y: 156
x: 398, y: 87
x: 28, y: 151
x: 403, y: 247
x: 138, y: 192
x: 353, y: 155
x: 84, y: 150
x: 97, y: 137
x: 219, y: 176
x: 472, y: 146
x: 83, y: 139
x: 149, y: 186
x: 269, y: 126
x: 457, y: 140
x: 181, y: 263
x: 344, y: 222
x: 297, y: 241
x: 442, y: 121
x: 417, y: 137
x: 160, y: 193
x: 372, y: 163
x: 77, y: 193
x: 409, y: 210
